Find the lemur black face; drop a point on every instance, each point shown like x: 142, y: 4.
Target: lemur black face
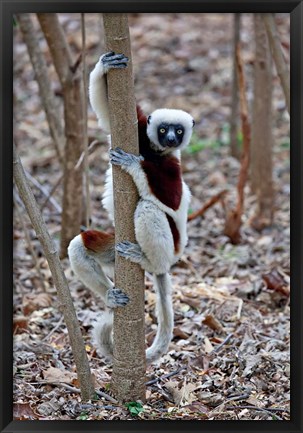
x: 170, y: 135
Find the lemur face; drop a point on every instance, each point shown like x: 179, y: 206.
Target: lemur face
x: 170, y: 135
x: 169, y: 129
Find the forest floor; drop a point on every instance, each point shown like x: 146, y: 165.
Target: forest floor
x: 229, y: 358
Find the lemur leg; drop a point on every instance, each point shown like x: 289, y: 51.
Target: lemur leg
x: 98, y: 86
x: 89, y: 253
x: 155, y: 248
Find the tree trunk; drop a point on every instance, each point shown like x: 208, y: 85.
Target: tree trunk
x: 72, y: 86
x: 277, y: 53
x: 234, y: 147
x: 128, y: 380
x: 262, y: 139
x: 64, y: 296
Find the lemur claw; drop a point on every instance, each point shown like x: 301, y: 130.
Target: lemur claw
x: 129, y: 251
x: 116, y: 298
x: 119, y: 157
x: 111, y: 60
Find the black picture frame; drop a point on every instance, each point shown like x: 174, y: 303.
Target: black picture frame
x: 10, y: 7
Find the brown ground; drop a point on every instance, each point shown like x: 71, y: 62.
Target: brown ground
x: 229, y: 358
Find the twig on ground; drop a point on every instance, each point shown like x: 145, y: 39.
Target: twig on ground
x: 165, y: 376
x: 260, y: 409
x: 73, y: 389
x: 219, y: 347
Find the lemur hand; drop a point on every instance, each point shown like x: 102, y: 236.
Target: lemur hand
x: 119, y: 157
x: 116, y: 298
x: 111, y: 60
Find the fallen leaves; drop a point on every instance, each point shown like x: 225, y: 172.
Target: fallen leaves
x: 54, y: 375
x: 33, y: 302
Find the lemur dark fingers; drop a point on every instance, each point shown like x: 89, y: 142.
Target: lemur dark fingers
x: 113, y: 61
x: 129, y: 251
x: 119, y: 157
x: 116, y: 298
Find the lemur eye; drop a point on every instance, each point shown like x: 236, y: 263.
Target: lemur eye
x: 179, y: 131
x: 162, y: 130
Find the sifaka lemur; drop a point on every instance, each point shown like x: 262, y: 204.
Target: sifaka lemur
x: 160, y: 216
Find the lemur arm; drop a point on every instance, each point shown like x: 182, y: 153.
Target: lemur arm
x: 98, y: 86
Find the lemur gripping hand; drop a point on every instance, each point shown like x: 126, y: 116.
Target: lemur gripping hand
x: 116, y: 298
x: 130, y: 251
x: 111, y: 60
x: 119, y: 157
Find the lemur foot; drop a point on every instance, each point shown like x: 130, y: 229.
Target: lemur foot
x: 119, y: 157
x: 111, y: 60
x: 130, y: 251
x: 116, y: 298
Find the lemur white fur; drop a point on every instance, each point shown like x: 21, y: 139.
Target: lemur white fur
x: 155, y: 250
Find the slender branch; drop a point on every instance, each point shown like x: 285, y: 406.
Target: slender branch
x: 234, y: 149
x: 58, y: 46
x: 72, y: 87
x: 207, y: 205
x: 48, y: 100
x: 64, y: 296
x: 50, y: 194
x: 277, y: 53
x: 87, y: 206
x: 233, y: 220
x: 44, y: 192
x: 28, y: 240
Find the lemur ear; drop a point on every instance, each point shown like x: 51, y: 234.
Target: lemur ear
x: 194, y: 122
x: 148, y: 119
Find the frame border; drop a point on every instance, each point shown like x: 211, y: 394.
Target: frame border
x: 7, y: 9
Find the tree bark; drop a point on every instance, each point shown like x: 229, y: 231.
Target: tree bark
x: 276, y: 49
x: 72, y: 86
x: 129, y: 366
x: 234, y: 147
x: 49, y: 103
x: 64, y: 296
x: 262, y: 139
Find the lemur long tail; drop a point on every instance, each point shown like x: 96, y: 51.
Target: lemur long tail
x: 102, y: 332
x: 165, y: 318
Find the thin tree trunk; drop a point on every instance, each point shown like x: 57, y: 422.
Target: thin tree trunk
x: 49, y: 103
x: 262, y: 139
x: 233, y: 219
x: 276, y: 49
x: 66, y: 303
x: 128, y: 380
x: 72, y: 86
x: 234, y: 148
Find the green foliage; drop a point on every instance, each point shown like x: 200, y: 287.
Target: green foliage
x: 197, y: 144
x: 15, y: 23
x: 83, y: 416
x: 134, y: 408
